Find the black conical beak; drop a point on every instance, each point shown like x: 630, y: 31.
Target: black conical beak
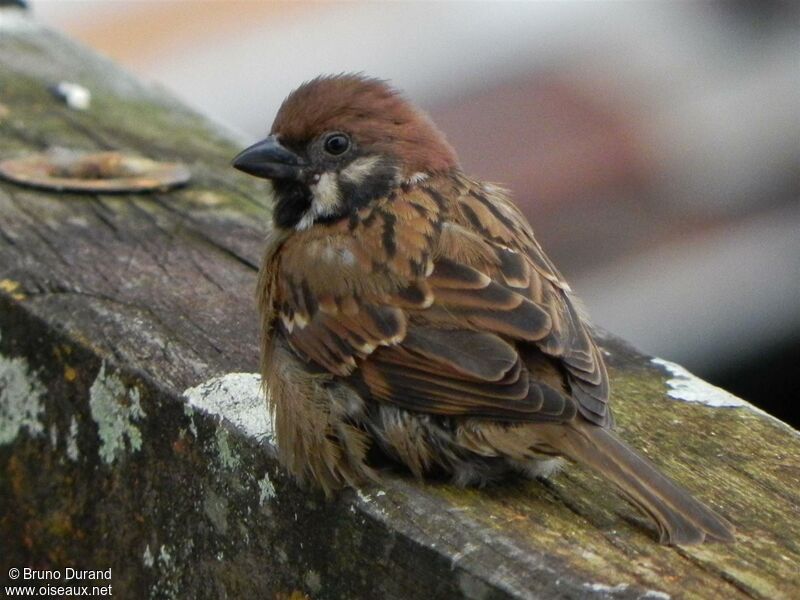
x: 270, y: 160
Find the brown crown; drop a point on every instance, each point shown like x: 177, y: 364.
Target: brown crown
x: 373, y: 113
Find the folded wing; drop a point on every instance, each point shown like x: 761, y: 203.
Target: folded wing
x: 477, y: 323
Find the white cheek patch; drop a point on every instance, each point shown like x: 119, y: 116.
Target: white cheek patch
x: 361, y: 168
x: 326, y: 194
x: 326, y: 200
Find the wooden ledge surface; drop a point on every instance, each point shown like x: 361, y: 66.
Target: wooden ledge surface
x: 133, y: 436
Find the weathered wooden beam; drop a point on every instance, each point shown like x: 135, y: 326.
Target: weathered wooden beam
x: 133, y: 435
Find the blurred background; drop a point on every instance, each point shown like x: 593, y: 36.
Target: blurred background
x: 654, y: 147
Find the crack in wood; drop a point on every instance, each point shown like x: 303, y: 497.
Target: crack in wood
x: 35, y: 228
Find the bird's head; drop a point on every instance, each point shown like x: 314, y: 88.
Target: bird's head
x: 340, y: 142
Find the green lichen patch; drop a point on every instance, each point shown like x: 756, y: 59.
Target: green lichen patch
x: 147, y: 557
x: 115, y: 408
x: 21, y: 395
x: 227, y: 457
x: 72, y: 440
x: 266, y: 490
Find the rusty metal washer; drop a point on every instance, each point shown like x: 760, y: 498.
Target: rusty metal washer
x: 102, y: 172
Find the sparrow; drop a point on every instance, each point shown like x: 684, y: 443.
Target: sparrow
x: 409, y: 315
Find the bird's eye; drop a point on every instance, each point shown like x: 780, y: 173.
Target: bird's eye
x: 337, y: 143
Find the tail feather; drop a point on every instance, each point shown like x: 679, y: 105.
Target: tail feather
x: 681, y: 518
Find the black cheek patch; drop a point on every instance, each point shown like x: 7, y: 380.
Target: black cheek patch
x: 378, y: 184
x: 293, y: 200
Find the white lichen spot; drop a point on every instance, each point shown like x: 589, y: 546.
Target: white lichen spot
x: 313, y: 581
x: 266, y: 490
x: 606, y: 589
x: 21, y: 395
x: 655, y: 595
x: 188, y: 410
x: 72, y: 440
x: 239, y: 399
x: 690, y: 388
x: 147, y: 557
x: 369, y: 502
x: 54, y: 435
x: 115, y: 407
x: 74, y: 95
x: 164, y: 557
x: 166, y: 583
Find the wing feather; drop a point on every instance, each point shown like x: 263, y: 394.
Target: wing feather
x: 444, y: 309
